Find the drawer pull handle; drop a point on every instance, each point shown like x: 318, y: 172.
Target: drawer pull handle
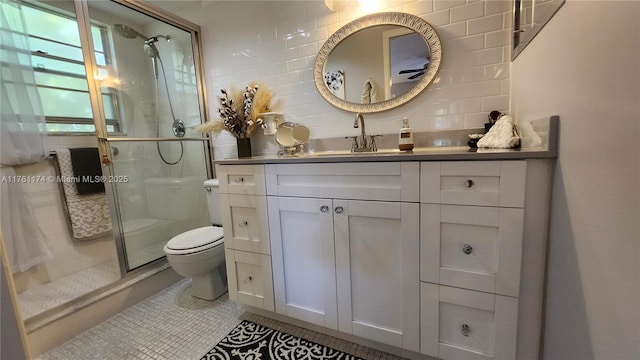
x: 465, y: 329
x: 467, y: 249
x: 240, y: 180
x: 324, y: 208
x: 339, y: 210
x: 468, y: 183
x: 207, y: 188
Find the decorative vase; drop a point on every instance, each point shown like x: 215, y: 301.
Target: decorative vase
x: 244, y: 147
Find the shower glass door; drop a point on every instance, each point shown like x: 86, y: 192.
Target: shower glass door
x: 145, y: 69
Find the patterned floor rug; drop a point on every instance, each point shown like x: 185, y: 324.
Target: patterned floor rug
x: 256, y: 342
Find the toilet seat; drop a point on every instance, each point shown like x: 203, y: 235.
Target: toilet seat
x: 195, y: 240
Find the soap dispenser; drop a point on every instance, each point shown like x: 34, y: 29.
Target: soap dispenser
x: 405, y: 139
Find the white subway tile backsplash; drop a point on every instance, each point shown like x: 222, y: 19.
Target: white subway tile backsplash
x: 445, y: 4
x: 498, y: 38
x: 467, y: 12
x: 438, y: 18
x: 465, y: 106
x: 498, y: 71
x: 296, y: 76
x: 452, y: 31
x: 491, y: 103
x: 465, y: 44
x: 497, y: 6
x: 486, y: 24
x: 508, y: 20
x: 505, y: 87
x: 285, y: 55
x: 315, y: 35
x: 475, y: 58
x: 475, y: 120
x: 475, y: 61
x: 310, y: 49
x: 295, y: 39
x: 419, y: 8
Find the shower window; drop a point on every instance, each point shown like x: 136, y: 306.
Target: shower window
x: 60, y: 73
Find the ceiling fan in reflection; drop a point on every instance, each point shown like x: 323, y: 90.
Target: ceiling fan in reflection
x: 419, y: 72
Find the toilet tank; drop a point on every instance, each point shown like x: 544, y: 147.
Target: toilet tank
x: 172, y: 198
x: 212, y: 188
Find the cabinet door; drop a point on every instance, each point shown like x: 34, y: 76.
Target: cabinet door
x: 244, y: 219
x: 377, y: 270
x: 303, y: 259
x: 460, y: 324
x: 249, y: 278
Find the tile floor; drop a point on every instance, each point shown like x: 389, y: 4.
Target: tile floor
x: 174, y: 325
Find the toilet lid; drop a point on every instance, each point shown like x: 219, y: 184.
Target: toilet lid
x: 196, y: 238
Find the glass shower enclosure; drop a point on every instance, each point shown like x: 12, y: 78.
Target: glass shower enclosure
x: 147, y: 100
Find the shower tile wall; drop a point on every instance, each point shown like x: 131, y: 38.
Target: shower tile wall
x: 276, y: 42
x: 69, y: 255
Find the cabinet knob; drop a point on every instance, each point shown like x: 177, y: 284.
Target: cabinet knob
x: 207, y: 188
x: 468, y: 183
x: 465, y: 329
x: 324, y: 208
x: 239, y: 180
x: 244, y: 223
x: 467, y: 249
x: 339, y: 210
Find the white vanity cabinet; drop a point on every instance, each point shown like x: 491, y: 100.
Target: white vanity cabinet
x: 340, y: 261
x: 442, y: 258
x: 473, y: 228
x: 246, y: 234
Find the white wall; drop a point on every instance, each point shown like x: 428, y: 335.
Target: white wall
x: 277, y: 42
x: 585, y: 67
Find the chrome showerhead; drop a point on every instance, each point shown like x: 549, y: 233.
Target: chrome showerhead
x: 127, y: 32
x: 150, y: 49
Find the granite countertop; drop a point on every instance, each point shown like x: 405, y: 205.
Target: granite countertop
x: 444, y: 153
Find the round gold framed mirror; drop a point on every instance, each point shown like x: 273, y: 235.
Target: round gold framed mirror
x: 377, y: 62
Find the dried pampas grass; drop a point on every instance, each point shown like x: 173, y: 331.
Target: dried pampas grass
x: 240, y: 110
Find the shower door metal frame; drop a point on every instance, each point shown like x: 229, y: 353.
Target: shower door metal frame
x: 97, y: 106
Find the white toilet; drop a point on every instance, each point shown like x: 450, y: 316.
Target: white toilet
x: 199, y: 253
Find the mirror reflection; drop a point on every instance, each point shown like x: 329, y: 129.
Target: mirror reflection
x: 376, y: 64
x: 529, y: 17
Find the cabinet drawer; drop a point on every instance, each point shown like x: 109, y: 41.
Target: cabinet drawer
x: 392, y: 181
x: 241, y: 179
x: 244, y: 220
x: 249, y: 278
x: 472, y: 247
x: 464, y: 324
x: 489, y: 183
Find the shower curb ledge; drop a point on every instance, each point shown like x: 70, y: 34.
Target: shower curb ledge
x: 101, y: 294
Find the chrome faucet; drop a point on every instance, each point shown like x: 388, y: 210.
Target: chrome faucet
x: 362, y: 145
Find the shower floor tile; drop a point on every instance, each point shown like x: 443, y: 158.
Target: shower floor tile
x: 173, y: 325
x: 36, y: 300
